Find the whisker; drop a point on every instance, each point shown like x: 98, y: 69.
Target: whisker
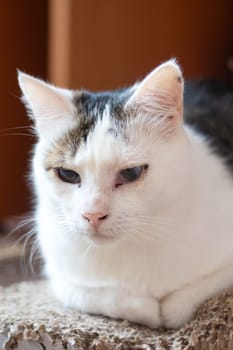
x: 158, y: 229
x: 17, y: 127
x: 26, y: 244
x: 34, y: 256
x: 29, y: 242
x: 22, y: 223
x: 16, y: 134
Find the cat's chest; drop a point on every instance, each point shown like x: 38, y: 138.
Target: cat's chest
x: 106, y: 266
x: 146, y: 269
x: 125, y: 266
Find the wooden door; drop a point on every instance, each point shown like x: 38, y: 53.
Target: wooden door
x: 106, y: 44
x: 23, y: 40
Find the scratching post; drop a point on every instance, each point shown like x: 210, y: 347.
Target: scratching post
x: 30, y: 319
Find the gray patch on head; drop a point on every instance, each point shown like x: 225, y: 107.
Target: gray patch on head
x: 112, y: 131
x: 89, y: 108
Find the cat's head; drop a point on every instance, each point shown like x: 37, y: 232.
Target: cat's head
x: 107, y: 163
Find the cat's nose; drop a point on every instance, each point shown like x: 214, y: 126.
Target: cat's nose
x: 95, y: 219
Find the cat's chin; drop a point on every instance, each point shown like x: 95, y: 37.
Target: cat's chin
x: 100, y: 239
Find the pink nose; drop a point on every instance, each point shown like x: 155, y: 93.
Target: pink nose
x: 95, y: 219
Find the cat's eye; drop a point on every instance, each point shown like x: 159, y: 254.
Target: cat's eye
x: 130, y: 174
x: 68, y: 175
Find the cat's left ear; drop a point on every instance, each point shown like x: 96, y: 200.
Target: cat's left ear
x: 160, y: 94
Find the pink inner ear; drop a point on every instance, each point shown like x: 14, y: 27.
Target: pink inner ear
x: 157, y: 103
x: 164, y: 85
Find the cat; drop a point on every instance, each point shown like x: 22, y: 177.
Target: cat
x: 133, y: 205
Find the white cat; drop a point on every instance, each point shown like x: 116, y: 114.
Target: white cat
x: 134, y: 210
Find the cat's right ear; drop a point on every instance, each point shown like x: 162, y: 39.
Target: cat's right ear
x: 50, y: 108
x: 159, y: 97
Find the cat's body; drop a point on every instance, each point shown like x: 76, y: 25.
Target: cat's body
x: 208, y: 109
x: 134, y: 210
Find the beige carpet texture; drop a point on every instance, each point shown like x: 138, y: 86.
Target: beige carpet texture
x: 30, y: 319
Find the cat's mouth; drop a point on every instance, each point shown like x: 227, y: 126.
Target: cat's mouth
x: 99, y: 237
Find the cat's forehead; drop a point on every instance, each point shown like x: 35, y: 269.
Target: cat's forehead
x: 99, y: 130
x: 90, y: 107
x: 98, y: 114
x: 104, y: 146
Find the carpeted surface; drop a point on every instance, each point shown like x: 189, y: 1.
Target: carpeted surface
x: 31, y: 319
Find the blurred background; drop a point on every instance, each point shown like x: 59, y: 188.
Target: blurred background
x: 97, y: 44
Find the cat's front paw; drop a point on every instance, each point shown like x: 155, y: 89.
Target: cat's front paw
x: 176, y: 309
x: 140, y: 310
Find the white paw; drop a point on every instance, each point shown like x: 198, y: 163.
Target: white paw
x: 140, y: 310
x: 176, y: 310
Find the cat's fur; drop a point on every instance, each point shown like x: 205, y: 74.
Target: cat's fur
x: 167, y: 242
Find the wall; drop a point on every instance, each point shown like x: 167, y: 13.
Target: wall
x: 23, y: 30
x: 112, y: 43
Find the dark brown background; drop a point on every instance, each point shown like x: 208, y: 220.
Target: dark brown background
x: 23, y: 40
x: 98, y: 45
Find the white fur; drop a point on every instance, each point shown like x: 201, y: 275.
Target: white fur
x: 167, y: 244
